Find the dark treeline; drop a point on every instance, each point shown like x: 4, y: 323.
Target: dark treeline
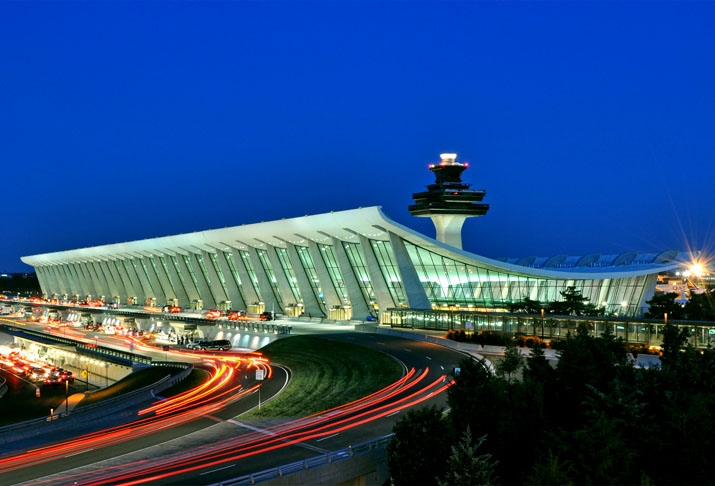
x: 591, y: 419
x: 20, y: 283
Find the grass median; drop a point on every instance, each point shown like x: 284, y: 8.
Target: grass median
x: 325, y: 374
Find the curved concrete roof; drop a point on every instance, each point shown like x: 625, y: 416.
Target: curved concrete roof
x: 348, y: 225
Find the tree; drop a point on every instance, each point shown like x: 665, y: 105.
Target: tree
x: 537, y: 366
x: 511, y: 362
x: 700, y: 307
x: 594, y: 419
x: 573, y: 302
x: 552, y: 471
x: 419, y: 451
x: 526, y: 305
x: 465, y: 467
x: 662, y: 304
x: 674, y: 340
x: 586, y: 362
x: 20, y: 283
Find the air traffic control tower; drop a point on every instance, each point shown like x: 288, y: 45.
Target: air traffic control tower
x: 449, y: 201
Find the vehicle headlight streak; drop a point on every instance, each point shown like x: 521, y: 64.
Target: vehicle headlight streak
x: 219, y: 379
x: 219, y: 453
x: 219, y: 390
x: 191, y: 408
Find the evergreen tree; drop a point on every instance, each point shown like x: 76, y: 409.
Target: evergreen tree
x: 551, y: 471
x: 700, y: 307
x: 662, y: 304
x: 419, y: 451
x: 674, y: 340
x: 511, y: 362
x: 537, y: 366
x: 466, y: 468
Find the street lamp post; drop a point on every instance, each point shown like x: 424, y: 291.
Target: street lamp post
x: 67, y: 396
x: 665, y: 318
x: 542, y: 323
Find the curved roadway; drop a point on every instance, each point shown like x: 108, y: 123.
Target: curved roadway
x: 210, y: 443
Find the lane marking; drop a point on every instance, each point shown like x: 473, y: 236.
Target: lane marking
x: 79, y: 452
x: 327, y: 437
x: 215, y: 470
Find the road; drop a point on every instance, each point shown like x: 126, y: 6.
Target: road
x: 209, y: 442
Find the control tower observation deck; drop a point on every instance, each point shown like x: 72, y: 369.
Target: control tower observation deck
x: 449, y: 201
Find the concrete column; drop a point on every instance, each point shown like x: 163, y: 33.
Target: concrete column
x: 206, y: 289
x: 88, y: 283
x: 234, y: 284
x: 144, y: 289
x: 360, y: 306
x: 107, y: 285
x: 330, y: 294
x: 214, y: 284
x: 264, y: 284
x: 121, y: 276
x: 109, y: 276
x: 279, y: 273
x: 377, y: 278
x: 74, y: 285
x: 159, y: 279
x: 250, y: 292
x: 311, y: 305
x: 414, y: 290
x: 177, y: 283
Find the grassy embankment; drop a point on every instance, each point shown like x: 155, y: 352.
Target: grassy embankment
x: 325, y: 374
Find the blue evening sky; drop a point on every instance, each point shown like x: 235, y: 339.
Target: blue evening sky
x: 591, y: 125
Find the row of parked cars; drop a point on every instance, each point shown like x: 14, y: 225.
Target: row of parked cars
x: 58, y: 376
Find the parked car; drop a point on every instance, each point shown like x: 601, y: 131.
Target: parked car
x: 37, y: 373
x: 66, y: 375
x: 53, y: 380
x: 237, y: 315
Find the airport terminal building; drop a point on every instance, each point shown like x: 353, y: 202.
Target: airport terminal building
x: 347, y: 265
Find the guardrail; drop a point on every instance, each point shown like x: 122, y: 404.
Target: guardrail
x: 308, y: 464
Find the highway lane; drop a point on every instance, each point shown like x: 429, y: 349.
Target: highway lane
x: 114, y: 441
x: 413, y: 353
x: 195, y: 466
